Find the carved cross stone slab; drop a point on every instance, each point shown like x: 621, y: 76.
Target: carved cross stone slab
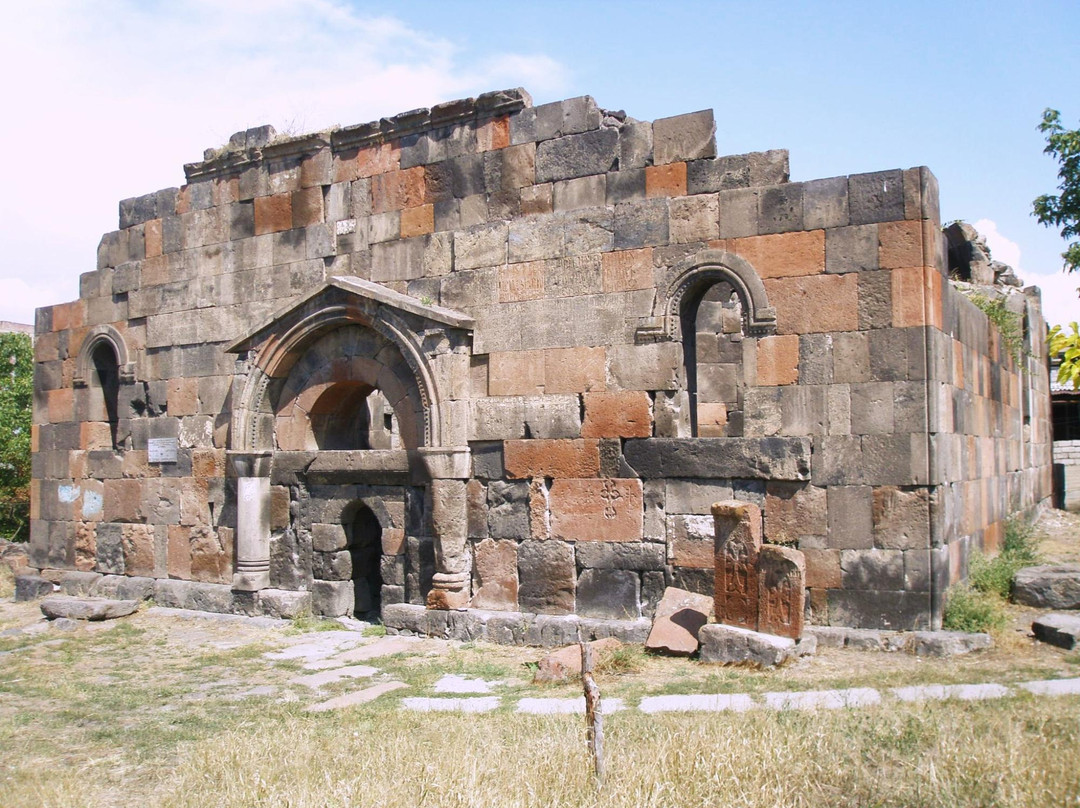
x: 738, y: 544
x: 781, y: 592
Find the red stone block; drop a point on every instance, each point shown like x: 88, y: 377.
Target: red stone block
x: 138, y: 545
x: 679, y: 617
x: 418, y: 221
x: 493, y: 134
x: 307, y: 206
x: 596, y: 510
x: 551, y: 458
x: 380, y: 159
x: 495, y: 575
x: 667, y: 180
x: 738, y: 544
x: 623, y: 414
x: 781, y: 591
x: 273, y: 213
x: 178, y: 553
x: 152, y: 234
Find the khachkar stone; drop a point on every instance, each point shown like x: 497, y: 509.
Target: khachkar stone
x: 738, y: 544
x: 781, y: 593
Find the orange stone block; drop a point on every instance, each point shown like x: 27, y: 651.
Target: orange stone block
x: 345, y: 167
x: 627, y: 270
x: 516, y: 373
x: 152, y: 235
x: 60, y: 404
x: 380, y: 159
x: 123, y: 500
x: 307, y: 206
x: 138, y: 545
x: 575, y: 370
x: 623, y: 414
x: 208, y: 463
x: 596, y: 510
x: 900, y: 244
x: 273, y: 213
x: 95, y: 435
x: 521, y: 281
x: 712, y: 420
x: 418, y: 221
x: 823, y: 569
x: 493, y: 134
x: 908, y: 297
x: 393, y: 541
x: 178, y: 553
x: 397, y: 190
x: 778, y: 360
x: 211, y: 555
x: 525, y: 459
x: 666, y: 180
x: 183, y: 397
x: 183, y: 200
x: 815, y: 303
x: 35, y: 438
x: 782, y: 255
x: 66, y: 316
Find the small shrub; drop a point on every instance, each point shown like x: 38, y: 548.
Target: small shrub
x: 1009, y: 324
x: 624, y: 659
x: 995, y: 575
x: 967, y: 609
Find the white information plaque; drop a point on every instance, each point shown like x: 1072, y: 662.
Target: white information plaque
x: 161, y: 450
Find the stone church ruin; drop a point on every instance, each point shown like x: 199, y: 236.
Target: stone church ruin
x: 483, y: 369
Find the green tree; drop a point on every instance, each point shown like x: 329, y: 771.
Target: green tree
x: 1068, y: 345
x: 16, y: 401
x: 1063, y: 210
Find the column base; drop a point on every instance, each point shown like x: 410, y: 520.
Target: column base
x: 450, y: 591
x: 250, y: 581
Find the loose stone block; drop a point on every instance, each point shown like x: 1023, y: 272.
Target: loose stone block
x: 1048, y: 586
x: 781, y: 591
x: 726, y: 645
x: 680, y: 615
x: 596, y: 510
x: 495, y: 575
x: 738, y: 544
x: 93, y: 609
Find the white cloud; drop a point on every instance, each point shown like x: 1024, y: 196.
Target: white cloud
x: 1001, y: 248
x: 108, y: 99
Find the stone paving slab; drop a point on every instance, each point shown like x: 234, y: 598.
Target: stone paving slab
x: 705, y: 702
x: 482, y: 704
x: 335, y: 675
x: 827, y: 699
x: 454, y: 683
x: 943, y: 692
x: 358, y: 697
x: 1053, y: 687
x: 566, y: 706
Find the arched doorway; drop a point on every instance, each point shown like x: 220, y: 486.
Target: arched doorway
x: 364, y: 535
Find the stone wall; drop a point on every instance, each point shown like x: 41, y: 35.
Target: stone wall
x: 588, y: 329
x: 1067, y: 453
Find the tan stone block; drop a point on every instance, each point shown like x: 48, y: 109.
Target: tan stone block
x: 279, y: 507
x: 495, y: 575
x: 525, y: 459
x: 194, y: 501
x: 273, y: 213
x: 908, y: 297
x: 85, y: 546
x: 536, y: 199
x: 393, y: 541
x: 183, y: 397
x: 623, y: 414
x: 628, y: 270
x: 596, y: 510
x: 418, y: 221
x: 123, y: 501
x: 178, y: 552
x: 380, y: 159
x: 822, y: 568
x: 815, y: 303
x: 539, y: 510
x: 67, y: 316
x: 738, y: 545
x: 60, y: 405
x: 307, y: 206
x: 35, y: 499
x: 794, y: 510
x: 692, y: 541
x: 152, y: 236
x: 781, y: 591
x: 35, y: 438
x: 666, y: 180
x: 493, y: 134
x: 782, y: 255
x: 521, y: 281
x: 137, y: 542
x: 516, y: 373
x: 134, y: 463
x: 575, y: 370
x: 712, y: 420
x: 778, y: 360
x: 154, y: 271
x: 397, y: 190
x: 95, y: 435
x: 77, y: 464
x: 208, y: 463
x: 211, y: 555
x: 900, y: 244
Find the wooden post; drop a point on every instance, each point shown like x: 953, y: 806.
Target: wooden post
x: 594, y: 720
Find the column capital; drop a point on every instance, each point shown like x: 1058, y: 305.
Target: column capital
x: 250, y: 464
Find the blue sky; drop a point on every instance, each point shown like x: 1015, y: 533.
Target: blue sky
x: 110, y: 98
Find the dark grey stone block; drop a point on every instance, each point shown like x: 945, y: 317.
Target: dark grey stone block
x: 851, y: 249
x: 508, y: 510
x: 781, y: 208
x: 467, y: 175
x: 722, y: 458
x: 626, y: 185
x: 487, y: 459
x: 547, y: 576
x: 876, y: 197
x: 609, y: 594
x: 877, y: 608
x: 641, y: 224
x: 1048, y: 586
x: 872, y: 569
x: 635, y: 144
x: 138, y: 209
x: 719, y: 174
x: 241, y: 220
x: 32, y: 587
x: 572, y: 156
x: 621, y: 555
x: 825, y: 203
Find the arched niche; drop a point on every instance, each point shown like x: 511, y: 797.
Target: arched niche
x: 101, y: 367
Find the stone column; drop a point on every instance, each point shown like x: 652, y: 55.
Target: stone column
x: 446, y: 470
x: 252, y: 520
